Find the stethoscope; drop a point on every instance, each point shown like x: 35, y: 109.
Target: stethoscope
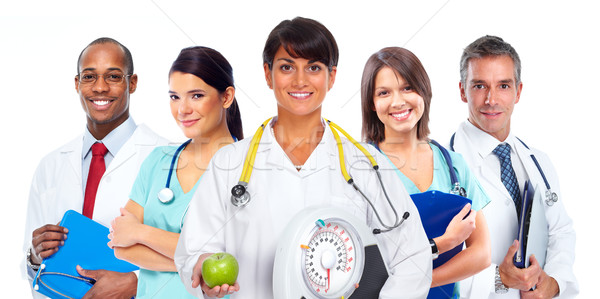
x: 456, y: 188
x: 165, y: 195
x: 551, y: 196
x: 240, y: 196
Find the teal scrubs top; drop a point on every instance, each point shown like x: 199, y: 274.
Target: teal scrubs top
x: 150, y: 180
x: 441, y: 182
x: 441, y: 178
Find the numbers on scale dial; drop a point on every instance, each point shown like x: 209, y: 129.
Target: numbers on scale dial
x: 331, y: 240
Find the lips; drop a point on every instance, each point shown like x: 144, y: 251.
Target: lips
x: 189, y: 122
x: 491, y: 113
x: 101, y: 103
x: 401, y: 115
x: 300, y: 95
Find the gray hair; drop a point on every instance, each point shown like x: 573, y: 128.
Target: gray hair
x: 489, y: 46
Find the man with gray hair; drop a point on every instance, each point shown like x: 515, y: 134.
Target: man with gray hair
x: 490, y: 71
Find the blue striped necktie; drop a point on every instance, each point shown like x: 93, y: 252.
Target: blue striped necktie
x: 507, y: 173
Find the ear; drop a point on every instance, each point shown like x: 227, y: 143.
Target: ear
x: 463, y: 95
x: 268, y: 76
x: 228, y: 97
x: 519, y: 92
x: 77, y: 83
x: 332, y: 77
x: 132, y: 83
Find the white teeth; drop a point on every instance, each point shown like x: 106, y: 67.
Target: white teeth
x: 400, y: 115
x: 101, y: 103
x: 299, y: 94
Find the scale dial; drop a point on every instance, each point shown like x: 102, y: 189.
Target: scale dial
x: 329, y: 259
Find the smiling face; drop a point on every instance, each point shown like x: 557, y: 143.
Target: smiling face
x: 299, y: 84
x: 399, y: 107
x: 491, y: 91
x: 198, y: 108
x: 106, y: 105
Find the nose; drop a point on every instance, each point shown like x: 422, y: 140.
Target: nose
x: 184, y: 107
x: 491, y: 97
x: 398, y: 100
x: 100, y: 85
x: 299, y: 79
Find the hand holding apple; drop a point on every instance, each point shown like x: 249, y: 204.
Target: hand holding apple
x: 198, y: 281
x: 219, y: 269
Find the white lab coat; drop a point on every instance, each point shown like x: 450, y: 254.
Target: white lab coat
x: 278, y: 192
x: 56, y: 185
x: 502, y: 219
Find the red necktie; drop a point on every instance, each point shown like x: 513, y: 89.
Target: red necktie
x: 97, y: 169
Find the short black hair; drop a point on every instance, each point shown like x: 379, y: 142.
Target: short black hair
x: 302, y: 37
x: 107, y: 40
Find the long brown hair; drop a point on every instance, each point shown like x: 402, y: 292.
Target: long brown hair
x: 407, y: 65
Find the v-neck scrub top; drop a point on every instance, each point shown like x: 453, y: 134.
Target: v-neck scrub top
x: 150, y: 180
x: 441, y: 178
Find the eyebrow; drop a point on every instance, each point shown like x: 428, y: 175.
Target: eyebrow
x: 504, y: 81
x: 292, y: 61
x: 189, y: 91
x: 286, y: 60
x: 109, y: 69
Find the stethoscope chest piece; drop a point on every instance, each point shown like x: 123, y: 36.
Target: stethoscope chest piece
x: 239, y: 195
x: 551, y: 197
x: 165, y: 195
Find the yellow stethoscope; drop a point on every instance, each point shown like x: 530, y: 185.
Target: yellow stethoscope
x: 240, y: 196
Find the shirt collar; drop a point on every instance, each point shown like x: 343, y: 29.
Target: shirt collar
x: 113, y: 141
x: 486, y: 143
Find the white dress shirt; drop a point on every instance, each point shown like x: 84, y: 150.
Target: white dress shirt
x: 476, y: 146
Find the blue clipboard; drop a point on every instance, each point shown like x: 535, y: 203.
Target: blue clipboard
x: 85, y: 246
x: 437, y: 209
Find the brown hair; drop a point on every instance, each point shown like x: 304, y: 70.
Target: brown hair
x: 407, y: 65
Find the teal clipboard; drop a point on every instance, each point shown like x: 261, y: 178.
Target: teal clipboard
x: 85, y: 246
x: 436, y: 210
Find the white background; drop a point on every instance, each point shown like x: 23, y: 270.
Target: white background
x: 558, y: 112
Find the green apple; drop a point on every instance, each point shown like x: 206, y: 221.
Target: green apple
x: 219, y: 269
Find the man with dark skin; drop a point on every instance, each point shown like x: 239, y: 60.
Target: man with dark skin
x: 104, y: 82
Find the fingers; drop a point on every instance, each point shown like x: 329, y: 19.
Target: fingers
x: 93, y: 274
x: 511, y: 251
x: 464, y: 211
x: 220, y: 291
x: 50, y: 227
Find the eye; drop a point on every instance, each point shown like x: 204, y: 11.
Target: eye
x: 314, y: 68
x: 504, y: 86
x: 382, y: 93
x: 114, y: 77
x: 478, y: 86
x: 88, y: 77
x: 173, y: 97
x: 408, y: 88
x: 286, y: 67
x: 197, y: 96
